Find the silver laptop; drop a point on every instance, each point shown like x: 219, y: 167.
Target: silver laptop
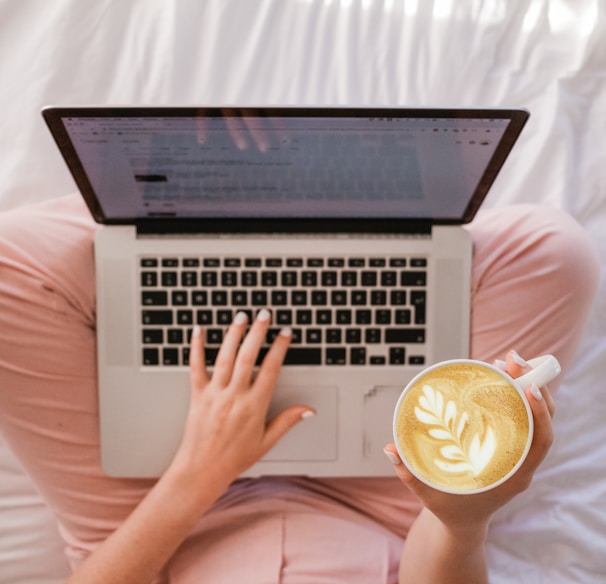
x: 345, y: 222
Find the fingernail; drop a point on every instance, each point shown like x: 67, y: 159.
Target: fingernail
x: 196, y: 331
x: 307, y: 414
x: 500, y: 364
x: 536, y: 392
x: 518, y: 360
x: 286, y: 331
x: 392, y: 457
x: 240, y: 318
x: 263, y: 314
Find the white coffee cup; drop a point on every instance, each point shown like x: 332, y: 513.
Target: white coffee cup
x: 464, y: 426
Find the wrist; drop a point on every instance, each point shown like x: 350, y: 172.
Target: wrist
x: 465, y: 536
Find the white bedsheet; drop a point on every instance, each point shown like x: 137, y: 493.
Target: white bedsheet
x: 546, y: 55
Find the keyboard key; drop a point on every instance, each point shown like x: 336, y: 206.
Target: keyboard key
x: 229, y: 278
x: 315, y: 262
x: 363, y: 317
x: 402, y: 316
x: 328, y: 278
x: 239, y: 298
x: 338, y: 297
x: 284, y: 317
x: 232, y: 262
x: 349, y: 278
x: 335, y: 356
x: 191, y: 262
x: 372, y: 335
x: 417, y: 299
x: 199, y: 298
x: 418, y: 262
x: 249, y: 279
x: 214, y: 336
x: 303, y: 356
x: 357, y: 356
x: 149, y: 279
x: 343, y: 316
x: 389, y: 278
x: 333, y: 335
x: 204, y: 317
x: 319, y: 298
x: 224, y: 317
x: 259, y: 298
x: 209, y: 279
x: 148, y: 262
x: 359, y: 297
x: 151, y: 356
x: 413, y: 279
x: 403, y: 335
x: 416, y: 360
x: 397, y: 262
x: 294, y: 262
x: 377, y: 360
x: 185, y: 317
x: 289, y: 278
x: 353, y: 336
x: 153, y: 336
x: 382, y: 316
x: 179, y: 298
x: 309, y: 279
x: 323, y: 317
x: 398, y: 297
x: 269, y: 278
x: 313, y: 336
x: 356, y: 262
x: 170, y: 262
x: 169, y: 278
x: 189, y: 279
x: 368, y: 278
x: 170, y: 356
x: 396, y: 356
x: 378, y: 298
x: 174, y: 336
x: 157, y: 317
x: 155, y: 298
x: 218, y: 298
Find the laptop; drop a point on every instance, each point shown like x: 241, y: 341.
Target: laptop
x: 346, y: 223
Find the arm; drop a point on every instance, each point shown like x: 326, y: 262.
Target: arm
x: 446, y: 542
x: 225, y: 433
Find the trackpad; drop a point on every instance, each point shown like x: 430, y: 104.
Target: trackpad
x: 311, y: 439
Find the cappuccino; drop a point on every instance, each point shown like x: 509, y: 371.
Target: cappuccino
x: 463, y: 426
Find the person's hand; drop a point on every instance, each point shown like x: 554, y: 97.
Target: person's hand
x: 226, y: 430
x: 466, y: 511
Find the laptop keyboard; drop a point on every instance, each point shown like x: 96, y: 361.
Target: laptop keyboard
x: 342, y: 310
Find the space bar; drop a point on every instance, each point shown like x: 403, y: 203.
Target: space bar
x: 301, y: 356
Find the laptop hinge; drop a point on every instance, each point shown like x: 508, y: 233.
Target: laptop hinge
x: 167, y: 226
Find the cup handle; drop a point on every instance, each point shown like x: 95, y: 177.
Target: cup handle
x: 544, y: 369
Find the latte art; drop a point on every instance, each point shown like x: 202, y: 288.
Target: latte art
x: 462, y: 426
x: 461, y: 452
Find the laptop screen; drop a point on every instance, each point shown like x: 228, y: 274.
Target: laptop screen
x: 137, y: 164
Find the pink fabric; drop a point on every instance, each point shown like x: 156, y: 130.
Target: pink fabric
x: 534, y: 277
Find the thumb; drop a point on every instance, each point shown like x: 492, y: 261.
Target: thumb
x: 283, y: 422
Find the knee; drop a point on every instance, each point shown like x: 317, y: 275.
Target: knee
x: 535, y: 243
x: 562, y: 247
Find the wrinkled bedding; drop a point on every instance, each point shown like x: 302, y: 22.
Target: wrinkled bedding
x: 546, y: 55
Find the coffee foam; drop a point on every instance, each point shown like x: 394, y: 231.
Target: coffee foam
x: 462, y: 426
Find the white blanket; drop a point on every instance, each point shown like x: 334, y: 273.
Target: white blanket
x: 546, y: 55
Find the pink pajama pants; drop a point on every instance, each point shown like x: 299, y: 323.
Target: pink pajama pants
x: 534, y: 277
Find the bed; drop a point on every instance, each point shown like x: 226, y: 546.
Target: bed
x: 546, y: 55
